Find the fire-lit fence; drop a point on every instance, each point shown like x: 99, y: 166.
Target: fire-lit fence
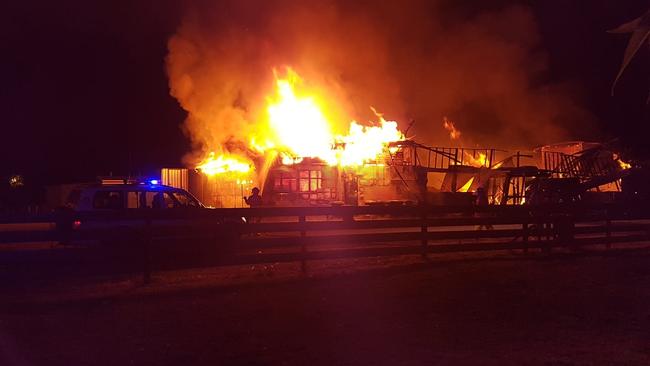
x: 237, y: 236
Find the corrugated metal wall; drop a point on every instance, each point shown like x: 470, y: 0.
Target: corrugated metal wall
x: 218, y: 191
x: 175, y: 177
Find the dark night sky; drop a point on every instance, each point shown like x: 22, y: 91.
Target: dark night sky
x: 84, y: 90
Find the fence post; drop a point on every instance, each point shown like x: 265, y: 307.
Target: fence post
x: 571, y: 230
x: 547, y: 228
x: 148, y: 233
x: 423, y: 231
x: 608, y: 230
x: 525, y: 236
x: 303, y: 244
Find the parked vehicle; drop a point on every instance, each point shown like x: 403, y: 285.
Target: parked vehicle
x: 117, y: 197
x: 126, y: 214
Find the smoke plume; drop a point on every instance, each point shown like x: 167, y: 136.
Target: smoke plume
x: 411, y: 60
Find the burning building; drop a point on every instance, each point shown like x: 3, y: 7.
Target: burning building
x: 298, y: 154
x: 407, y: 172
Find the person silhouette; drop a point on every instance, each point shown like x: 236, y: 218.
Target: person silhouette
x: 158, y: 201
x: 254, y: 200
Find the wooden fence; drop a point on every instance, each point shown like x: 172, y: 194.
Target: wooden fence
x: 274, y: 234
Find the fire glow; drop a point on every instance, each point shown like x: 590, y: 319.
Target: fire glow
x: 454, y: 133
x: 298, y: 127
x: 480, y: 161
x: 624, y: 165
x: 222, y: 164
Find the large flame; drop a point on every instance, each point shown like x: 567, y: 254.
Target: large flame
x: 223, y: 164
x: 298, y: 124
x: 365, y: 143
x: 298, y: 127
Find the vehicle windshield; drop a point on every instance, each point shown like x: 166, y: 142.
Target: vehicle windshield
x: 185, y: 200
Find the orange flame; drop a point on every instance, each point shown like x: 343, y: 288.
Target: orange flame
x: 454, y: 133
x: 466, y: 186
x: 623, y: 164
x: 223, y: 164
x: 480, y: 161
x: 298, y: 124
x: 365, y: 143
x: 298, y: 127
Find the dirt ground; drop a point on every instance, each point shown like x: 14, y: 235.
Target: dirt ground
x: 497, y: 309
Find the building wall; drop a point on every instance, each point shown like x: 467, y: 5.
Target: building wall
x: 306, y: 183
